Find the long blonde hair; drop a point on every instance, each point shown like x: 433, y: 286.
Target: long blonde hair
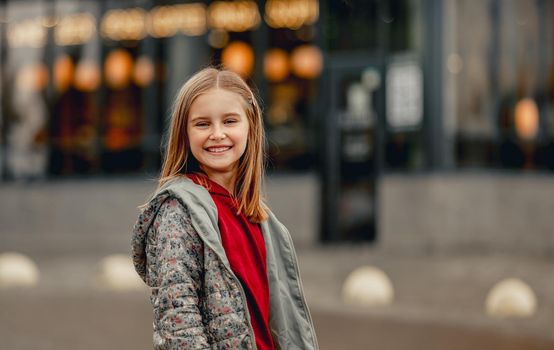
x: 250, y: 172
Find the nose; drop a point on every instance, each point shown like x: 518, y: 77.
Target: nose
x: 217, y: 133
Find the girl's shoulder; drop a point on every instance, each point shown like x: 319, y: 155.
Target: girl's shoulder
x: 196, y: 199
x: 185, y: 189
x: 171, y: 206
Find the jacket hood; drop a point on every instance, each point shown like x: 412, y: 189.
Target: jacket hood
x: 141, y: 237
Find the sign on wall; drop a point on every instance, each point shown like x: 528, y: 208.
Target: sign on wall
x: 404, y: 95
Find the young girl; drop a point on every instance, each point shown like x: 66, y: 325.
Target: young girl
x: 222, y: 268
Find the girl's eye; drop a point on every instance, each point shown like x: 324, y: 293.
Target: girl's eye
x: 201, y: 124
x: 231, y: 121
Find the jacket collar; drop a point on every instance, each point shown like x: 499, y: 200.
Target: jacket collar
x: 212, y: 186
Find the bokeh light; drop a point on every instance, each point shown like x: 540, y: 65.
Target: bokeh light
x: 526, y: 119
x: 276, y: 64
x: 166, y: 21
x: 143, y: 72
x: 234, y: 16
x: 218, y: 38
x: 74, y: 29
x: 126, y: 24
x: 32, y: 77
x: 238, y: 57
x: 87, y: 75
x: 63, y: 71
x: 307, y: 61
x: 27, y: 33
x: 291, y: 14
x: 118, y: 69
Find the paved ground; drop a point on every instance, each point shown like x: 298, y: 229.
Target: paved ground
x: 438, y: 299
x: 438, y: 305
x: 73, y: 314
x: 101, y: 320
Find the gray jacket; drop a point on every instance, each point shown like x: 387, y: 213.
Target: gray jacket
x: 198, y: 302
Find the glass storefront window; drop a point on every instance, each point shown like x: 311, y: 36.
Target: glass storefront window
x: 292, y: 63
x: 77, y: 76
x: 501, y: 62
x: 387, y: 32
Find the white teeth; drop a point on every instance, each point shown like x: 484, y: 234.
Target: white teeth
x: 217, y: 149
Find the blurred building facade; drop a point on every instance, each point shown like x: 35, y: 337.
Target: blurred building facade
x: 361, y: 91
x: 88, y: 85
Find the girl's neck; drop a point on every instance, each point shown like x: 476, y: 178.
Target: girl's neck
x: 227, y: 180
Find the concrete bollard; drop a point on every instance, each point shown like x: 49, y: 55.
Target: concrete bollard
x: 511, y: 298
x: 368, y: 286
x: 116, y: 272
x: 17, y: 270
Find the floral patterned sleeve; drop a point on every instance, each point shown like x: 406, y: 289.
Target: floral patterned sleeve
x: 177, y: 265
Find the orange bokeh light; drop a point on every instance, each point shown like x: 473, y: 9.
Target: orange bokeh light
x: 64, y: 69
x: 276, y: 65
x: 527, y: 119
x: 307, y: 61
x: 87, y: 76
x: 143, y: 73
x: 118, y: 69
x: 33, y: 77
x: 238, y: 57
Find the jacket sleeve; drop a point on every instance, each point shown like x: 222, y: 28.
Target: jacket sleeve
x: 177, y: 267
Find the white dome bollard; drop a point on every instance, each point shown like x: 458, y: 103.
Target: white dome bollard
x: 116, y: 272
x: 511, y: 298
x: 368, y: 286
x: 17, y: 270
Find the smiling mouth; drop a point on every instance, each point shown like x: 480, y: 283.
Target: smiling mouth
x: 218, y: 149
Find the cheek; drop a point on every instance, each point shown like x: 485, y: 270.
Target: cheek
x: 244, y: 137
x: 245, y: 142
x: 194, y: 143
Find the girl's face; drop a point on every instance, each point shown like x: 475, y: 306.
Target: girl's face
x: 217, y: 130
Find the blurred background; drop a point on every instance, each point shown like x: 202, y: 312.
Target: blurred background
x: 410, y: 154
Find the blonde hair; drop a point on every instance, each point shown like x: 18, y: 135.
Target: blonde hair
x: 250, y: 172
